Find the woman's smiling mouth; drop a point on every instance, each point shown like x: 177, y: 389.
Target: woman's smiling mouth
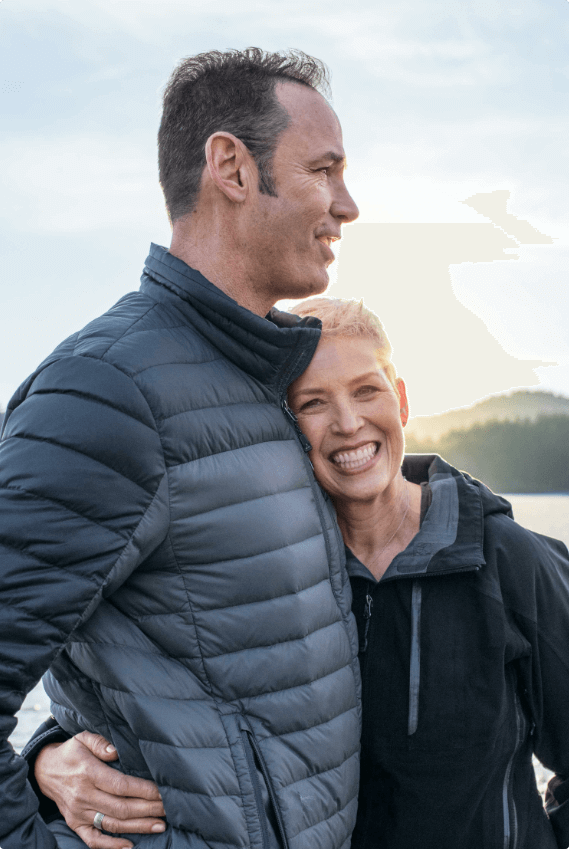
x: 355, y: 458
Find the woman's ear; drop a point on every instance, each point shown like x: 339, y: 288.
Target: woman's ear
x: 229, y: 164
x: 403, y: 403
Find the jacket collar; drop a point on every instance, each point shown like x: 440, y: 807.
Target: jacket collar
x: 274, y: 350
x: 451, y: 535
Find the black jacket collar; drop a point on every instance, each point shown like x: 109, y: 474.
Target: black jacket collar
x: 274, y: 350
x: 451, y: 536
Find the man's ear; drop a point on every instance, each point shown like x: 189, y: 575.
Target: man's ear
x: 230, y: 165
x: 403, y: 403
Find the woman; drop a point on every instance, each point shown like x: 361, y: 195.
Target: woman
x: 463, y: 617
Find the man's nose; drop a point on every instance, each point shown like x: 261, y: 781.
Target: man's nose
x: 343, y: 206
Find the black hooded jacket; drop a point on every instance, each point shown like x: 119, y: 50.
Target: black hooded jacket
x: 464, y: 651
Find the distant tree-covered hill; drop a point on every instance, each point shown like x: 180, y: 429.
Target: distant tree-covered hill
x: 511, y: 407
x: 509, y: 456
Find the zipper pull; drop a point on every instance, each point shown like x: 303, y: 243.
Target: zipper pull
x: 367, y: 616
x: 292, y: 418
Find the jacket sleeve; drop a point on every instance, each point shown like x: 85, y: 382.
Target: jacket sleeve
x: 48, y: 732
x: 545, y: 587
x: 82, y: 503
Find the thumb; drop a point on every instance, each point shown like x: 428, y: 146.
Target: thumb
x: 98, y: 746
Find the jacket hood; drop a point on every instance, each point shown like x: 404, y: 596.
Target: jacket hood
x: 451, y: 535
x: 418, y: 468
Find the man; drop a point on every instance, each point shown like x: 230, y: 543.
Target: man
x: 165, y: 549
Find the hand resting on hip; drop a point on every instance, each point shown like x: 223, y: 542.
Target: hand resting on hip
x: 75, y: 777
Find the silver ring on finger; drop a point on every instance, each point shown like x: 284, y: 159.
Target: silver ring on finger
x: 98, y: 820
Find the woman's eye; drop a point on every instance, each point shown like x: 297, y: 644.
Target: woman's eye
x: 367, y: 391
x: 309, y: 405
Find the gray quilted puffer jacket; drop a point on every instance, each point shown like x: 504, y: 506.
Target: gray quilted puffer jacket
x: 159, y: 520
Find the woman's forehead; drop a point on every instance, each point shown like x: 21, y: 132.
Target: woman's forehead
x: 340, y: 359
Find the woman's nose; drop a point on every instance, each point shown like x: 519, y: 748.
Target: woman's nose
x: 346, y: 419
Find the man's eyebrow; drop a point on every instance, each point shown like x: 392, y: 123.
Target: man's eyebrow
x: 333, y: 155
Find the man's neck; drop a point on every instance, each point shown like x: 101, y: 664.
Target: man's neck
x: 215, y: 258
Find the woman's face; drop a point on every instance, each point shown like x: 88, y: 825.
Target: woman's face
x: 353, y: 418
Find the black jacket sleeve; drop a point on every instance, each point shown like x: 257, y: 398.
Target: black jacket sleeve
x: 539, y: 601
x: 82, y: 503
x: 48, y: 732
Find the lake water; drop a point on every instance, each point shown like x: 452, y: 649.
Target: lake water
x: 546, y: 514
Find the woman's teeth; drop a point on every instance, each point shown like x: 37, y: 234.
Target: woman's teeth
x: 354, y: 459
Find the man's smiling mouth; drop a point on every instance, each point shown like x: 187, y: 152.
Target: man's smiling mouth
x: 328, y: 240
x: 355, y: 458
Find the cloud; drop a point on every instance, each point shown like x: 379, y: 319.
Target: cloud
x: 420, y: 170
x: 78, y: 183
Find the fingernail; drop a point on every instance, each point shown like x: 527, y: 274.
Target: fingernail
x: 159, y: 826
x: 112, y: 751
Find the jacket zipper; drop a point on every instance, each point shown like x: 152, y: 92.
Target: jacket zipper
x: 367, y: 616
x: 247, y: 746
x: 415, y: 659
x: 306, y: 446
x: 508, y: 802
x: 253, y: 744
x: 415, y: 656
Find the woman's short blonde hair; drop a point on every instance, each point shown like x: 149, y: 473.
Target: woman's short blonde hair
x: 343, y: 317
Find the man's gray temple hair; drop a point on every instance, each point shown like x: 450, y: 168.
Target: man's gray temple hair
x: 234, y: 92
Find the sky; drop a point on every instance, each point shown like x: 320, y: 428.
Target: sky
x: 440, y: 102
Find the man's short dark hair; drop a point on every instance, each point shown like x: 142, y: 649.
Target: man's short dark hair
x: 232, y: 92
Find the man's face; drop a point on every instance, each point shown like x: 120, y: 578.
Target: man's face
x: 289, y: 238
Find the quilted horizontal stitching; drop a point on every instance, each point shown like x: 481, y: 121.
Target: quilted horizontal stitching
x: 265, y: 693
x: 14, y: 604
x: 325, y: 771
x: 95, y: 398
x: 39, y: 497
x: 162, y: 613
x: 161, y: 697
x: 175, y: 362
x: 177, y: 746
x: 128, y: 329
x: 211, y: 841
x: 6, y: 544
x: 261, y: 600
x: 284, y: 734
x: 258, y: 554
x: 330, y: 816
x: 77, y: 451
x: 227, y: 404
x: 234, y: 449
x: 114, y: 645
x: 196, y: 793
x: 272, y: 645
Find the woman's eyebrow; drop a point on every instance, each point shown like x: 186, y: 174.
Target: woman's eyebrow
x: 314, y: 390
x: 309, y: 391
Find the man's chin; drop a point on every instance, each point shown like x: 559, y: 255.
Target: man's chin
x: 316, y: 286
x: 302, y: 288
